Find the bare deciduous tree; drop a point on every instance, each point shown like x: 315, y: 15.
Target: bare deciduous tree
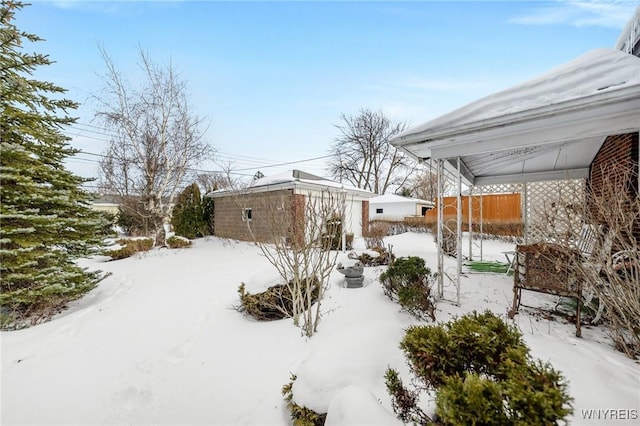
x: 212, y: 181
x: 158, y: 139
x: 297, y: 241
x: 363, y: 156
x: 423, y: 185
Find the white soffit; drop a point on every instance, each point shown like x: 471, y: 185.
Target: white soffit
x: 548, y: 128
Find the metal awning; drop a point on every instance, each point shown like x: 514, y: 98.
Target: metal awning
x: 550, y: 127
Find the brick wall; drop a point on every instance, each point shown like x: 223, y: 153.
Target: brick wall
x: 265, y: 208
x: 619, y: 152
x: 299, y: 205
x: 365, y: 217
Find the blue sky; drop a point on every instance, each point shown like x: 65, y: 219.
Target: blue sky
x: 272, y: 78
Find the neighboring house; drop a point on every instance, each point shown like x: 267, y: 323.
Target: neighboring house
x: 629, y: 40
x: 112, y: 203
x: 395, y: 207
x: 253, y: 206
x: 106, y: 203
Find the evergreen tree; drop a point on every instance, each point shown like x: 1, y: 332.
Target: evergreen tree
x: 187, y: 216
x: 45, y: 219
x: 208, y: 215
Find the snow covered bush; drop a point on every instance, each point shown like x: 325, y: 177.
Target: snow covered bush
x: 277, y: 301
x: 301, y: 416
x: 408, y: 281
x: 128, y: 247
x: 384, y: 257
x: 481, y: 373
x: 176, y: 241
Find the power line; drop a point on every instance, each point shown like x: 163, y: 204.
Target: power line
x: 237, y: 157
x: 218, y: 171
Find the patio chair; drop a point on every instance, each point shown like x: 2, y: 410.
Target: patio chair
x: 548, y: 267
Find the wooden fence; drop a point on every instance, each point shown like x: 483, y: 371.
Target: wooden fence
x: 495, y: 208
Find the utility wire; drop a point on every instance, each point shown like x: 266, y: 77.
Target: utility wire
x: 107, y: 132
x: 214, y: 171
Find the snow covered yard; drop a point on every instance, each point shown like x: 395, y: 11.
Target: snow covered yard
x: 158, y: 342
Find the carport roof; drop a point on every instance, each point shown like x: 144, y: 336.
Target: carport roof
x: 550, y: 127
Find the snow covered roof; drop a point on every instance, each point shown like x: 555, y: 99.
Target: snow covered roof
x: 295, y: 179
x: 550, y: 127
x: 394, y: 199
x: 288, y: 176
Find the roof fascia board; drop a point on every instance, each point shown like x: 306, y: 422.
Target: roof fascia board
x: 297, y: 186
x: 253, y: 190
x: 581, y: 173
x: 308, y: 186
x: 579, y: 125
x: 595, y: 101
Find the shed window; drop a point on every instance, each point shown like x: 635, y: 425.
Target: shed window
x: 246, y: 215
x: 379, y: 211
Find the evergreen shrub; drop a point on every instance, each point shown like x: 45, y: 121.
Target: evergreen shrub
x: 187, y: 216
x: 481, y: 373
x: 208, y: 215
x: 129, y: 247
x: 176, y: 241
x: 301, y: 416
x: 408, y: 281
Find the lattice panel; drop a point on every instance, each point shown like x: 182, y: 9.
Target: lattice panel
x: 553, y: 209
x: 498, y: 188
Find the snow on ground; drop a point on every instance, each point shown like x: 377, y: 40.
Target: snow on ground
x: 158, y: 342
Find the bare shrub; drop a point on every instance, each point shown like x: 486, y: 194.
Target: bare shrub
x: 293, y: 236
x: 615, y: 204
x: 377, y: 231
x: 609, y: 267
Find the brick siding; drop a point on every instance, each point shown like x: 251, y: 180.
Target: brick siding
x: 228, y: 216
x: 617, y: 150
x: 365, y: 217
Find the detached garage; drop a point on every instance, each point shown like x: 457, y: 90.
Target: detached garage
x: 394, y: 207
x: 240, y: 213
